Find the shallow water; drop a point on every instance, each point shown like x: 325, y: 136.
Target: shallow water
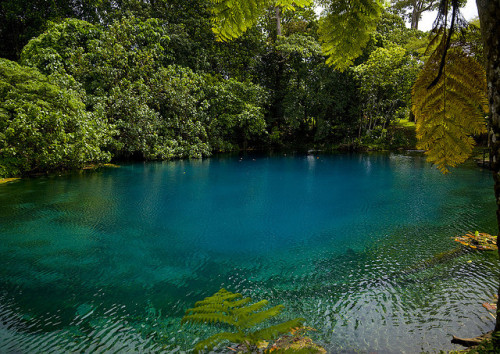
x: 109, y: 261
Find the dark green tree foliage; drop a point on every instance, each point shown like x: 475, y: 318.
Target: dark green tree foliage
x: 244, y: 319
x: 22, y: 20
x: 159, y: 111
x: 235, y: 114
x: 44, y: 125
x: 333, y: 101
x: 385, y: 82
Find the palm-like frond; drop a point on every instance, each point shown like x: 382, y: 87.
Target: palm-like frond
x: 450, y: 110
x: 292, y: 4
x: 234, y: 310
x: 219, y: 297
x: 231, y: 18
x: 274, y: 331
x: 245, y: 311
x: 209, y: 317
x: 253, y: 318
x: 346, y: 29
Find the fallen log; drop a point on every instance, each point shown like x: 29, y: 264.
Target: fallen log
x: 470, y: 342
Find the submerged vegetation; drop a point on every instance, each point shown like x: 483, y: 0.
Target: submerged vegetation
x: 236, y: 312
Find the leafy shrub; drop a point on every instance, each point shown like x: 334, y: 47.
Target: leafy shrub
x: 235, y: 112
x: 44, y: 126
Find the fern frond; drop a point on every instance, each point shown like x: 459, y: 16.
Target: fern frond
x: 292, y: 4
x: 231, y: 18
x: 257, y: 317
x: 208, y: 318
x: 238, y: 303
x: 212, y: 341
x: 207, y: 308
x: 222, y: 307
x: 435, y: 40
x: 219, y: 297
x: 274, y: 331
x: 448, y: 112
x: 345, y: 31
x: 244, y: 311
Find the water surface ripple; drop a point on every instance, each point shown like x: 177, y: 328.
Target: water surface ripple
x: 359, y: 245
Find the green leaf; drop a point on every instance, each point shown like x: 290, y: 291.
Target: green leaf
x: 346, y: 29
x: 450, y: 112
x: 274, y: 331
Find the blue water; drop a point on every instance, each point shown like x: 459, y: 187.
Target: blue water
x: 109, y: 261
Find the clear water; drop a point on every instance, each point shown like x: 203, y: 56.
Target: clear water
x: 109, y: 261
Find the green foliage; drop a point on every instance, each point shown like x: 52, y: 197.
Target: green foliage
x: 236, y: 312
x: 232, y: 18
x: 346, y: 30
x: 153, y: 73
x: 59, y: 47
x: 96, y: 57
x: 22, y: 20
x: 452, y: 110
x: 235, y: 112
x: 299, y: 44
x: 44, y: 126
x: 385, y: 81
x: 159, y: 111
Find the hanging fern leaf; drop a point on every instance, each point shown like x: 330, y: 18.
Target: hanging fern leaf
x: 231, y: 18
x: 292, y: 4
x: 345, y: 31
x: 451, y: 109
x: 235, y: 311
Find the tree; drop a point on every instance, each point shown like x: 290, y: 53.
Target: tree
x: 490, y: 29
x: 385, y: 81
x: 44, y: 125
x: 445, y: 56
x: 416, y: 8
x: 22, y: 20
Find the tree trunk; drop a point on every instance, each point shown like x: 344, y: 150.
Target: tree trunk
x: 278, y: 21
x: 489, y: 16
x: 415, y: 15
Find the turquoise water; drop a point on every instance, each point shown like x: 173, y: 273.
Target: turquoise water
x: 109, y: 261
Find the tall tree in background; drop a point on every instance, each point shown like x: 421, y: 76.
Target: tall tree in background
x: 489, y: 11
x: 413, y: 9
x: 444, y: 81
